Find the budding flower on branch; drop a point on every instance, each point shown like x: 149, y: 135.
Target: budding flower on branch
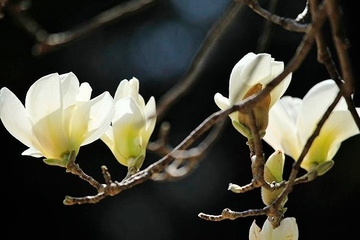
x: 293, y: 120
x: 248, y: 77
x: 132, y: 125
x: 288, y: 230
x: 273, y: 173
x: 58, y: 117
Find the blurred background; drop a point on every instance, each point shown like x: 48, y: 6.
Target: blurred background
x: 157, y: 45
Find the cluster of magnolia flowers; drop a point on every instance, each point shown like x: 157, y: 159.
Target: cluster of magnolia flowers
x: 59, y: 116
x: 286, y: 123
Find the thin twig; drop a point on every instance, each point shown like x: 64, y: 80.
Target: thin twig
x: 48, y: 42
x: 287, y: 23
x: 197, y: 66
x: 232, y: 215
x: 189, y: 159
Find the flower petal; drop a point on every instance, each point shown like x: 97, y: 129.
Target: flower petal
x: 69, y: 88
x: 13, y: 116
x: 222, y: 102
x: 44, y: 97
x: 281, y: 133
x: 127, y: 127
x: 338, y: 127
x: 254, y: 232
x: 84, y: 93
x: 315, y: 103
x: 280, y: 89
x: 44, y: 107
x: 150, y: 119
x: 257, y: 70
x: 288, y: 229
x: 92, y: 119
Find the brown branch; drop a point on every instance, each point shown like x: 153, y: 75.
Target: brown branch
x: 342, y: 45
x: 272, y: 211
x: 197, y: 65
x: 185, y: 161
x: 287, y: 23
x: 297, y: 163
x: 248, y: 103
x: 47, y: 42
x: 157, y: 167
x: 232, y: 215
x: 324, y: 57
x: 267, y: 31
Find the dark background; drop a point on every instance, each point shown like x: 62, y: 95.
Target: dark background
x: 157, y: 46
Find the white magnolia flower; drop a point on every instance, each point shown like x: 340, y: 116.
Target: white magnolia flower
x: 58, y: 117
x: 288, y: 230
x: 132, y: 125
x: 249, y: 76
x: 293, y: 120
x: 273, y: 173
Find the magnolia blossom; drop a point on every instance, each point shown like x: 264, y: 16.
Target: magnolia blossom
x: 288, y: 230
x: 58, y: 117
x: 132, y: 125
x: 248, y: 77
x: 293, y: 120
x: 273, y: 172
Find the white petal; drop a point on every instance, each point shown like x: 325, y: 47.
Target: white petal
x: 235, y: 82
x: 277, y: 67
x: 44, y: 97
x: 50, y: 134
x: 257, y: 70
x: 127, y: 88
x: 32, y: 152
x: 135, y: 85
x: 221, y: 101
x: 122, y: 90
x: 44, y: 107
x: 281, y: 133
x: 267, y: 231
x: 254, y: 232
x: 150, y: 119
x: 69, y: 88
x: 315, y: 103
x: 280, y: 89
x: 127, y: 127
x: 84, y: 93
x: 14, y: 117
x: 339, y: 127
x: 108, y: 138
x: 288, y: 230
x: 95, y: 116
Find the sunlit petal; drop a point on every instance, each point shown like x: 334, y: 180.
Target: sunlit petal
x: 13, y: 116
x: 254, y: 232
x: 84, y: 93
x: 69, y: 87
x: 249, y: 77
x: 314, y: 105
x: 288, y: 230
x: 281, y: 133
x: 92, y: 119
x: 150, y: 117
x: 127, y: 127
x: 44, y: 97
x: 221, y: 101
x: 280, y: 89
